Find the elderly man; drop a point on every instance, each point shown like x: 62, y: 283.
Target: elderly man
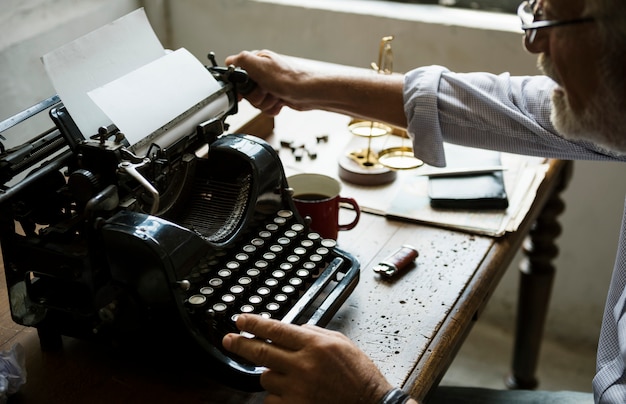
x: 577, y: 110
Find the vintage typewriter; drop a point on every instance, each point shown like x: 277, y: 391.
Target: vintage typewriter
x: 101, y: 244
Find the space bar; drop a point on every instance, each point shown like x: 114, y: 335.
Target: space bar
x: 313, y: 291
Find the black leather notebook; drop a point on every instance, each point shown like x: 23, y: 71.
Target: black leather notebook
x: 481, y: 191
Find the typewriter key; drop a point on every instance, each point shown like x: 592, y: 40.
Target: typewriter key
x: 263, y: 291
x: 197, y: 300
x: 286, y: 266
x: 228, y: 298
x: 245, y: 280
x: 278, y: 274
x: 296, y: 282
x: 216, y: 282
x: 219, y: 308
x: 261, y: 264
x: 316, y: 258
x: 276, y: 248
x: 290, y: 234
x: 271, y: 282
x: 237, y: 290
x: 242, y: 257
x: 255, y: 300
x: 246, y: 308
x: 299, y: 251
x: 253, y: 273
x: 249, y: 249
x: 322, y: 251
x: 265, y: 314
x: 271, y: 227
x: 284, y: 213
x: 307, y: 243
x: 264, y: 234
x: 297, y: 227
x: 207, y: 291
x: 257, y: 242
x: 314, y: 236
x: 288, y: 290
x: 303, y: 274
x: 329, y: 243
x: 232, y: 265
x: 269, y: 256
x: 280, y: 220
x: 281, y: 298
x: 224, y: 273
x: 272, y: 307
x: 293, y: 259
x: 283, y: 241
x: 309, y: 265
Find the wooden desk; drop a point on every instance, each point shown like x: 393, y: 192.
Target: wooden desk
x: 411, y: 327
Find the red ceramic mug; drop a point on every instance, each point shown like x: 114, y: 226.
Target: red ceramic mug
x: 316, y: 196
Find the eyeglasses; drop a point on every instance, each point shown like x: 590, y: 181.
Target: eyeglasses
x: 530, y: 12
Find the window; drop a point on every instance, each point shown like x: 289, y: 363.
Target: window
x: 508, y: 6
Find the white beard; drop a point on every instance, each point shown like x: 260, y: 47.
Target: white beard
x: 602, y: 121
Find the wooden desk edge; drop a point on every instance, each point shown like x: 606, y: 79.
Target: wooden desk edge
x: 440, y: 353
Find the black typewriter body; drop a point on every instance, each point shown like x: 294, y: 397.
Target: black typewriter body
x: 102, y: 245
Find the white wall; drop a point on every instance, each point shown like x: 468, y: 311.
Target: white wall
x: 350, y: 35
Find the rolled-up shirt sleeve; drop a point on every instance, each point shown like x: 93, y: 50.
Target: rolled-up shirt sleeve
x: 500, y: 112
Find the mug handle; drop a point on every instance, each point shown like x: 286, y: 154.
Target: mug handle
x: 357, y: 210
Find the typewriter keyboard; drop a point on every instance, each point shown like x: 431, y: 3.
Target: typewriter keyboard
x: 281, y: 271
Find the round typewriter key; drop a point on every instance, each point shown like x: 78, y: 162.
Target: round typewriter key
x: 269, y: 256
x: 253, y: 273
x: 278, y: 274
x: 207, y: 290
x: 281, y: 298
x: 283, y: 241
x: 314, y: 236
x: 216, y: 282
x: 219, y: 308
x: 295, y: 282
x: 224, y: 273
x: 322, y: 251
x: 307, y: 243
x: 249, y: 249
x: 271, y: 282
x: 288, y: 290
x: 272, y: 307
x: 263, y: 291
x: 197, y: 300
x: 244, y: 281
x: 242, y: 257
x: 284, y: 213
x: 257, y: 242
x: 228, y: 298
x: 299, y: 251
x: 232, y: 265
x: 293, y: 259
x: 303, y: 273
x: 276, y: 249
x: 265, y: 234
x: 297, y: 227
x: 286, y: 266
x: 329, y: 243
x: 255, y: 300
x: 261, y: 264
x: 237, y: 290
x: 316, y: 258
x: 247, y: 308
x: 265, y: 315
x: 291, y: 234
x: 280, y: 220
x: 309, y: 265
x: 272, y: 227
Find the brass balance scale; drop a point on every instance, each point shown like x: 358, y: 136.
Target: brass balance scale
x: 365, y: 165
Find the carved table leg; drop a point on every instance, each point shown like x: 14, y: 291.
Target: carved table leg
x: 536, y: 276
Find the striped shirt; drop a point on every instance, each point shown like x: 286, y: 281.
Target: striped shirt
x: 512, y: 114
